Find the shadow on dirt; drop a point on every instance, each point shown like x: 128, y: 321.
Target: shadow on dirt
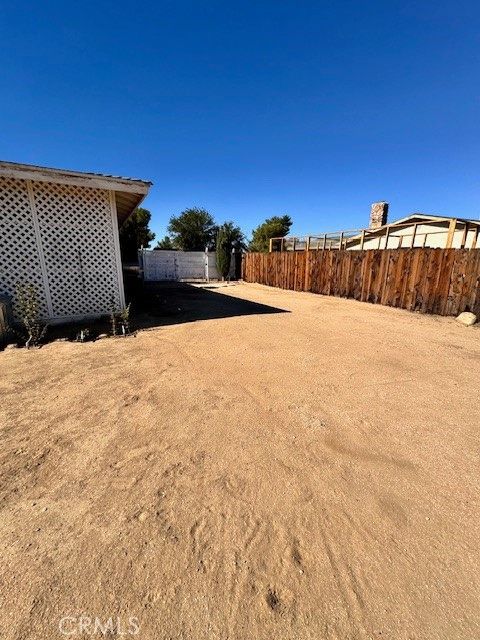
x: 156, y: 304
x: 165, y: 303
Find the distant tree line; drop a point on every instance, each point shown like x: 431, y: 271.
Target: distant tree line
x: 195, y: 230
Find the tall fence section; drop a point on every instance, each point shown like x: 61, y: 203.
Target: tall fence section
x: 440, y: 281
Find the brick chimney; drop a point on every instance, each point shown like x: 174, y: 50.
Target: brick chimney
x: 378, y: 215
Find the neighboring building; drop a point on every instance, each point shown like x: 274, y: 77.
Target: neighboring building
x: 59, y: 232
x: 416, y: 230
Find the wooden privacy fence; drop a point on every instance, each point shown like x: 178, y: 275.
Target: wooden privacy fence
x: 442, y: 281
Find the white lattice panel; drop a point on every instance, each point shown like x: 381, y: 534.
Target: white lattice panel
x: 78, y: 246
x: 19, y: 256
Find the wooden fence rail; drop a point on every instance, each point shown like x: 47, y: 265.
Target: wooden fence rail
x: 441, y: 281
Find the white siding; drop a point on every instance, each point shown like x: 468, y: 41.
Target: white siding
x: 436, y: 237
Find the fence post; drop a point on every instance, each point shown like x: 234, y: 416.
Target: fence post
x: 144, y: 262
x: 475, y: 237
x: 413, y: 235
x: 306, y: 276
x: 451, y: 231
x: 207, y: 275
x: 387, y: 234
x: 464, y: 236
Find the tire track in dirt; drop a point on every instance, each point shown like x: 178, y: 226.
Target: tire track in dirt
x: 348, y: 584
x: 213, y: 554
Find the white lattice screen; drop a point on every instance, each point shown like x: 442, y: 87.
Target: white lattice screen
x: 74, y: 236
x: 19, y: 256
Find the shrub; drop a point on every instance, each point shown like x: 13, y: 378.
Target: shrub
x: 120, y: 319
x: 223, y: 252
x: 124, y: 317
x: 28, y: 306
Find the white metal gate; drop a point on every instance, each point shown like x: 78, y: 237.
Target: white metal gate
x: 180, y: 265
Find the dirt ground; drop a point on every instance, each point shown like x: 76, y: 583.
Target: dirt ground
x: 266, y: 465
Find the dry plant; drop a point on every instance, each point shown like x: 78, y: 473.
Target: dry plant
x: 113, y: 316
x: 28, y: 305
x: 124, y: 316
x: 119, y: 319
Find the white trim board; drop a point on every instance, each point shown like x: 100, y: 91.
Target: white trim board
x: 60, y: 176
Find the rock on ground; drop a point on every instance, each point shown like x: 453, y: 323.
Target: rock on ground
x: 467, y: 318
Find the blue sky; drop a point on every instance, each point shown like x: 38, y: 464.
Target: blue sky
x: 252, y: 109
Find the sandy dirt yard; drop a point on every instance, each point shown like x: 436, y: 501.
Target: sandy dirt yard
x: 297, y: 467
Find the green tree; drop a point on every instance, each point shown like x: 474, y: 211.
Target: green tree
x: 275, y: 227
x: 223, y: 250
x: 135, y: 233
x: 229, y: 237
x: 166, y: 244
x: 234, y: 236
x: 193, y: 230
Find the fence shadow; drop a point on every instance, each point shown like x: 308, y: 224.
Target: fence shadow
x: 166, y: 303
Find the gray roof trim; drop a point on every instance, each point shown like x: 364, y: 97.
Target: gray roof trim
x: 79, y: 178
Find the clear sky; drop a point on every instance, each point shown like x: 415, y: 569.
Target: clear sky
x: 254, y: 108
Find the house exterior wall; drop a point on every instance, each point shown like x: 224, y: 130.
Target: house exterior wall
x: 436, y: 237
x: 63, y: 239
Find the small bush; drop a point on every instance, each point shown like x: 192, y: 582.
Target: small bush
x: 113, y: 317
x: 120, y: 320
x: 124, y: 317
x: 28, y: 306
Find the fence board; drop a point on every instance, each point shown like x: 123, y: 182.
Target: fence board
x: 442, y: 281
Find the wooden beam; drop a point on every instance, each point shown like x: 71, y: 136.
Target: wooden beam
x: 387, y: 234
x: 413, y: 235
x: 475, y: 237
x: 324, y: 240
x: 451, y: 232
x: 39, y: 248
x: 282, y: 244
x: 294, y: 244
x: 464, y: 236
x: 270, y: 245
x: 341, y: 241
x: 308, y: 243
x: 116, y: 243
x: 362, y: 239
